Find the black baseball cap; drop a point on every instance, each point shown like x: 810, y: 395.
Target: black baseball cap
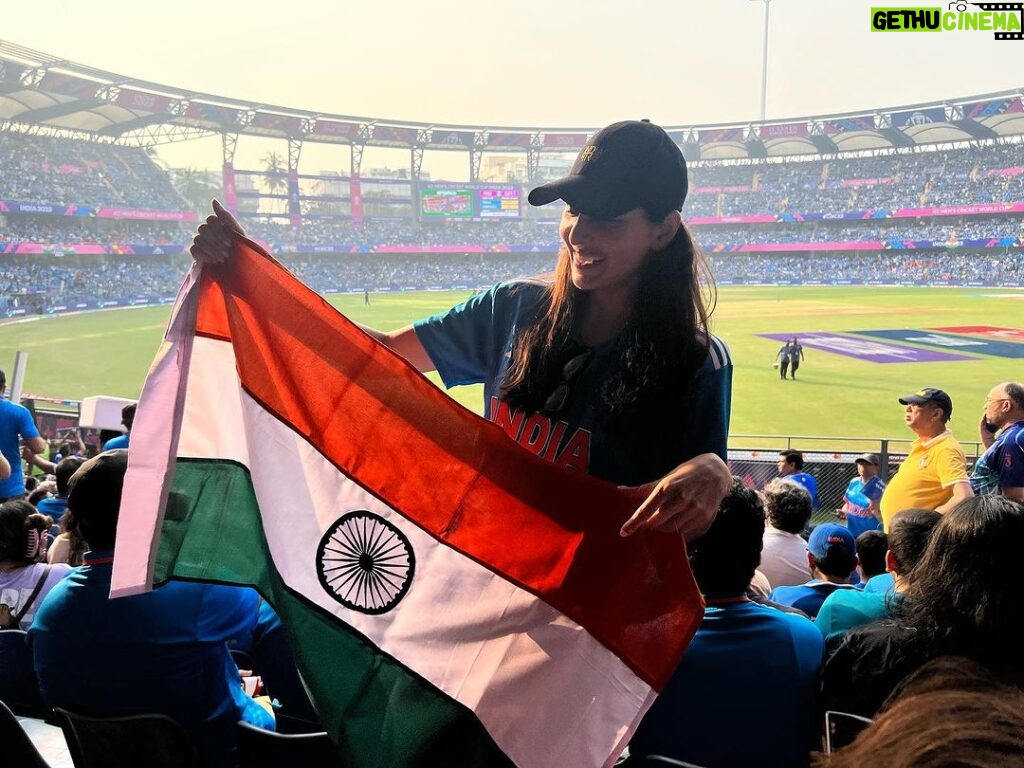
x: 930, y: 395
x: 627, y: 165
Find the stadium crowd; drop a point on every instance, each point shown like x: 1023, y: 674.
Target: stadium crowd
x: 895, y: 611
x: 918, y: 180
x: 886, y: 267
x: 46, y: 170
x: 32, y: 228
x: 66, y: 232
x: 108, y: 280
x: 918, y: 598
x: 544, y: 234
x: 66, y: 281
x: 407, y: 232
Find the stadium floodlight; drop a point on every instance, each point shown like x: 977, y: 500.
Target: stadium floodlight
x: 764, y: 57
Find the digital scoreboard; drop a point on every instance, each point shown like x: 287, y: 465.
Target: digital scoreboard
x: 470, y: 201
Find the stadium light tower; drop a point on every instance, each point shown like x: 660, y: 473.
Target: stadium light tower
x: 764, y: 57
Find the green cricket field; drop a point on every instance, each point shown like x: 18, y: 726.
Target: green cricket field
x: 835, y: 395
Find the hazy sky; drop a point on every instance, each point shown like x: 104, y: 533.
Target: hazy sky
x: 526, y: 63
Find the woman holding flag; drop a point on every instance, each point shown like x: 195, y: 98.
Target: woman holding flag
x: 609, y: 369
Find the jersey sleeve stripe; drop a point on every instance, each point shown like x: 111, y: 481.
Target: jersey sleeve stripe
x: 719, y: 353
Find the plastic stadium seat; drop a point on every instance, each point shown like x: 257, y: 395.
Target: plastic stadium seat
x: 258, y: 748
x: 18, y: 749
x: 135, y: 741
x: 19, y: 688
x: 286, y: 723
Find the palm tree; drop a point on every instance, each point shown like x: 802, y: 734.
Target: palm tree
x: 276, y: 173
x: 198, y: 187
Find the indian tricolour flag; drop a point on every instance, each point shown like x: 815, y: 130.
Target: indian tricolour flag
x: 452, y: 600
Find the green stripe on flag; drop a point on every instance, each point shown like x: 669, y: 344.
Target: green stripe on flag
x: 378, y: 711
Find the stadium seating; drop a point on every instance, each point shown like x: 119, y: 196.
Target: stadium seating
x: 19, y: 688
x: 258, y: 748
x: 151, y: 740
x: 807, y: 229
x: 48, y: 170
x: 18, y: 747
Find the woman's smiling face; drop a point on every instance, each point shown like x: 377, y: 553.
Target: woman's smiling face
x: 607, y: 254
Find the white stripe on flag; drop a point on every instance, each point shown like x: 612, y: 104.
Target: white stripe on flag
x: 151, y: 461
x: 476, y: 636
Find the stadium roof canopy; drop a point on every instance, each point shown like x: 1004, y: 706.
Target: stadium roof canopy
x: 46, y: 95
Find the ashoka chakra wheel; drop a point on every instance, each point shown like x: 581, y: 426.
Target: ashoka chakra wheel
x: 365, y: 562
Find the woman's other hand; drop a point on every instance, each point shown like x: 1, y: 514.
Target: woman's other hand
x: 686, y: 500
x: 215, y: 239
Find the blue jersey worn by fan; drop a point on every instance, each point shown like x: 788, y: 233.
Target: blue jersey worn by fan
x: 473, y: 342
x: 791, y: 469
x: 1002, y: 464
x: 747, y: 691
x: 860, y: 502
x: 809, y: 483
x: 832, y: 556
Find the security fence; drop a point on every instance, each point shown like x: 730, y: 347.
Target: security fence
x: 830, y: 460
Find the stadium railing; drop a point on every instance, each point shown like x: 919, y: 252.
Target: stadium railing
x: 830, y: 460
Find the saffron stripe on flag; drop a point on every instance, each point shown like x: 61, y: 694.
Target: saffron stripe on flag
x: 370, y: 412
x: 448, y: 593
x: 314, y: 394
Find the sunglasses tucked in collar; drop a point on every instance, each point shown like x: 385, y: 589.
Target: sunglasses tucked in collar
x: 559, y: 397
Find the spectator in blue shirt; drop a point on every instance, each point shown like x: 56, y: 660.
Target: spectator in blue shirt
x: 791, y: 469
x: 832, y: 558
x: 121, y: 441
x: 56, y: 506
x: 860, y: 501
x: 746, y: 692
x: 164, y: 651
x: 15, y: 424
x: 1001, y: 468
x: 871, y: 549
x: 907, y: 539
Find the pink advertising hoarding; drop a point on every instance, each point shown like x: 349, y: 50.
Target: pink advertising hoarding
x: 762, y: 218
x: 855, y: 245
x: 784, y: 131
x: 130, y: 213
x: 959, y: 210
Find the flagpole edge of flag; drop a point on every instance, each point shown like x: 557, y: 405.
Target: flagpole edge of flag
x: 148, y: 480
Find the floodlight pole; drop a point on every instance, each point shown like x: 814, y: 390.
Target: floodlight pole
x: 764, y: 58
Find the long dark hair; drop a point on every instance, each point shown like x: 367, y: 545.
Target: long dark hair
x: 950, y: 712
x: 663, y: 345
x: 964, y: 598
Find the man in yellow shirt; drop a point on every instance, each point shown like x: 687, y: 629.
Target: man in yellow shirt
x: 934, y: 474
